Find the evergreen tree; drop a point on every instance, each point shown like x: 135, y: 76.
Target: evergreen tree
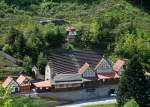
x: 133, y: 84
x: 20, y: 45
x: 41, y: 63
x: 27, y: 63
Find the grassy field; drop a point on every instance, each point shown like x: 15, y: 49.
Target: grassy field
x: 5, y: 63
x: 102, y: 105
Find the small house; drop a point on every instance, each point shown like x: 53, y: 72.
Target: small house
x: 24, y: 83
x: 10, y: 82
x: 71, y: 33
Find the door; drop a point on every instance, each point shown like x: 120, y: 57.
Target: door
x: 16, y: 90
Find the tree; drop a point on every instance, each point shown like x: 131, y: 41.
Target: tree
x: 133, y: 84
x: 55, y: 39
x: 13, y: 34
x: 131, y: 103
x: 27, y: 63
x: 41, y: 63
x: 20, y: 45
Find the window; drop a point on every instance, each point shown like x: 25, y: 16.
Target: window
x: 88, y: 73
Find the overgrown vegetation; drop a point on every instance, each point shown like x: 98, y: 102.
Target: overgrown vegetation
x: 7, y: 100
x: 115, y: 27
x: 133, y: 84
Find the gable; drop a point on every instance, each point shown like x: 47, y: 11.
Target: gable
x: 103, y: 67
x: 21, y: 79
x: 118, y: 66
x: 48, y: 72
x: 89, y: 73
x: 14, y: 83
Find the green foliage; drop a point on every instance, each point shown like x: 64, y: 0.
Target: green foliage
x: 27, y: 63
x: 133, y: 84
x: 132, y: 44
x: 102, y: 105
x: 83, y: 38
x: 22, y: 3
x: 41, y: 62
x: 131, y: 103
x: 20, y: 101
x: 11, y: 71
x: 55, y: 39
x: 106, y: 25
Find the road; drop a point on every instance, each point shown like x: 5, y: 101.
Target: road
x: 91, y: 102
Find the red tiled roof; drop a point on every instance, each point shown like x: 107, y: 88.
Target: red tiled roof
x: 7, y: 82
x: 118, y: 65
x: 43, y: 84
x: 21, y: 79
x: 84, y: 68
x: 108, y: 75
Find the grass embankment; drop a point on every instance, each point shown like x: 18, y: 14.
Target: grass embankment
x: 26, y: 102
x: 102, y: 105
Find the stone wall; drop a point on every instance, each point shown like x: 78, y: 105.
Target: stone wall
x: 82, y: 94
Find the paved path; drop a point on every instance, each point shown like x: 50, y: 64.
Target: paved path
x: 92, y: 102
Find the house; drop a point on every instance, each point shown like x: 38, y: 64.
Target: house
x: 71, y: 33
x: 24, y: 83
x: 10, y: 82
x: 76, y: 75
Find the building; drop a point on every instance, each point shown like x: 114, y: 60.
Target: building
x: 71, y: 33
x: 24, y: 83
x: 80, y: 75
x: 10, y: 82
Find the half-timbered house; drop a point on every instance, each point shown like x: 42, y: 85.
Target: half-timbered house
x: 86, y: 73
x: 9, y: 82
x: 24, y: 83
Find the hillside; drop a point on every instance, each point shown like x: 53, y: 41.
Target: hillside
x: 112, y: 26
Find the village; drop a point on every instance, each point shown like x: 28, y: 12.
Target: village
x: 74, y: 53
x: 72, y: 75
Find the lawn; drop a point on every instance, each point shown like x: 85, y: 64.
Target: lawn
x: 102, y: 105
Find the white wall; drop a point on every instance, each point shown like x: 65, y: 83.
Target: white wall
x: 47, y: 72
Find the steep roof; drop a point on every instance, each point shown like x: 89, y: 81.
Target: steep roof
x: 69, y: 62
x: 42, y: 84
x: 84, y: 68
x: 21, y: 79
x: 7, y: 82
x: 101, y: 61
x: 118, y: 65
